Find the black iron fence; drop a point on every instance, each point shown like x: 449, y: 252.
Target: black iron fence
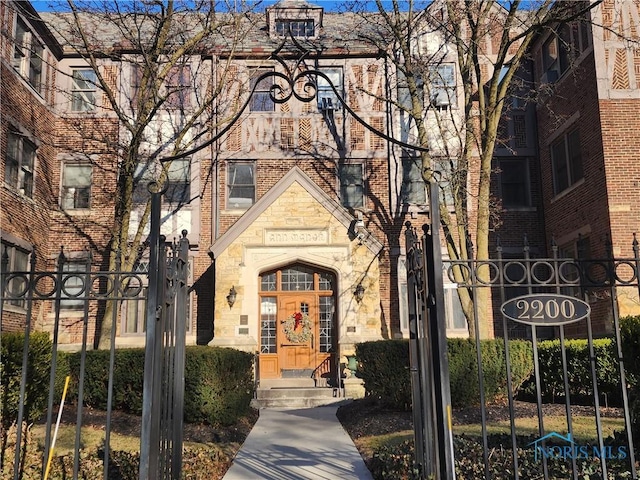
x: 164, y: 289
x: 528, y: 296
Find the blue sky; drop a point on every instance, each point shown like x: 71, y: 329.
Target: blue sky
x: 328, y: 5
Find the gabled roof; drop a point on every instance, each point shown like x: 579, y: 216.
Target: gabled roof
x: 294, y: 175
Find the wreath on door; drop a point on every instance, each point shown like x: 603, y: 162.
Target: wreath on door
x: 297, y: 327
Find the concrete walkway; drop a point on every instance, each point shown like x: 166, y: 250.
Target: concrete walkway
x: 297, y: 444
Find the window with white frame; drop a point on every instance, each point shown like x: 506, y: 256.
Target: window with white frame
x: 73, y: 285
x: 83, y: 90
x: 442, y: 84
x: 178, y: 85
x: 413, y: 190
x: 352, y: 184
x: 514, y: 182
x: 17, y: 261
x: 178, y: 182
x: 76, y: 186
x: 20, y: 163
x: 566, y: 159
x: 134, y: 307
x: 404, y: 95
x: 261, y: 100
x: 297, y: 28
x: 241, y: 184
x: 327, y: 98
x: 28, y: 54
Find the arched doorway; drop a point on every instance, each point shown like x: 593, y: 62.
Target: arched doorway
x: 298, y: 334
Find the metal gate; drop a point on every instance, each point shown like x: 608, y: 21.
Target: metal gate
x: 565, y: 281
x: 165, y: 325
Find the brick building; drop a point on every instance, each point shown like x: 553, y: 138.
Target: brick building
x: 298, y: 207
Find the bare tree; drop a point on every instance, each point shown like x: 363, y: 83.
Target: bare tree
x: 146, y: 94
x: 489, y: 43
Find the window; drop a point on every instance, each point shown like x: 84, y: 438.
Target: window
x: 443, y: 85
x: 580, y: 249
x: 73, y: 285
x: 178, y: 87
x: 352, y: 185
x: 179, y: 181
x: 514, y: 183
x: 17, y: 261
x: 178, y: 178
x: 83, y: 90
x: 134, y: 312
x: 298, y: 28
x: 76, y: 186
x: 241, y: 184
x: 413, y: 186
x: 27, y: 55
x: 268, y: 325
x: 566, y: 161
x: 261, y: 100
x: 21, y: 154
x: 327, y: 99
x: 564, y: 46
x: 404, y: 96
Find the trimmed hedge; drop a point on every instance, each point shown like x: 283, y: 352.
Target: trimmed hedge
x: 37, y: 386
x: 384, y: 367
x: 578, y: 370
x: 218, y: 382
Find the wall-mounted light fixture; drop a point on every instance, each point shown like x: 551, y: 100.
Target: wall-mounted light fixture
x: 358, y: 293
x: 231, y: 298
x: 359, y: 227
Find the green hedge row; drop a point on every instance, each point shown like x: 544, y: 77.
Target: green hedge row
x: 218, y: 381
x: 384, y: 367
x: 578, y: 370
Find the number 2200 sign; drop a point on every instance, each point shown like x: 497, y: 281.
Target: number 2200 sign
x: 545, y: 309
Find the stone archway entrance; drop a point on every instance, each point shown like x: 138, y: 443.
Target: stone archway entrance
x: 298, y: 333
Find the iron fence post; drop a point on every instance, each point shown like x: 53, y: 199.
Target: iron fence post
x: 438, y: 341
x: 149, y: 452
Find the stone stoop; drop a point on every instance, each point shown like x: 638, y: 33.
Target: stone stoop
x: 295, y: 393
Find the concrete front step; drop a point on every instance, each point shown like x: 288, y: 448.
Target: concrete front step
x: 296, y: 397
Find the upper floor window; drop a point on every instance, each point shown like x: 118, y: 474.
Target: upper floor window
x: 178, y: 84
x: 442, y: 79
x: 19, y: 163
x: 17, y: 260
x: 83, y: 90
x: 261, y: 83
x: 73, y: 285
x: 413, y: 186
x: 564, y: 46
x: 404, y: 95
x: 298, y: 28
x: 514, y: 182
x: 76, y: 186
x: 241, y: 184
x: 566, y: 159
x: 327, y: 98
x: 352, y: 185
x: 179, y: 182
x: 28, y: 54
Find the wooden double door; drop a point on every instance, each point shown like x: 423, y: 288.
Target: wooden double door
x: 297, y: 327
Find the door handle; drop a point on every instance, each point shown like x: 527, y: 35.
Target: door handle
x: 313, y: 341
